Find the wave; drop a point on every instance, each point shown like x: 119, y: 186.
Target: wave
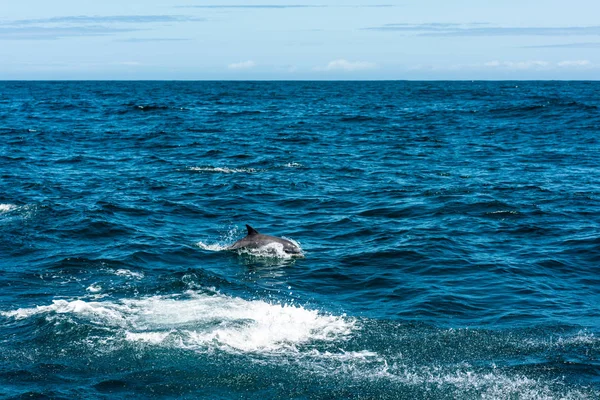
x: 293, y: 165
x: 319, y: 346
x: 224, y: 170
x: 200, y: 322
x: 581, y: 338
x: 150, y: 107
x: 466, y: 381
x: 23, y: 212
x: 5, y: 208
x: 94, y: 288
x: 129, y: 274
x: 547, y: 106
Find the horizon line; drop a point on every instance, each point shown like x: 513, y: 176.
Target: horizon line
x: 302, y: 80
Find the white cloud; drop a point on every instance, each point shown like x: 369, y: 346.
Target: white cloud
x: 484, y: 29
x: 288, y: 68
x: 520, y: 65
x: 345, y: 65
x: 242, y: 65
x: 536, y: 64
x: 494, y: 63
x: 575, y: 63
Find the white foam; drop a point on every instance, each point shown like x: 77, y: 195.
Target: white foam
x: 293, y: 165
x: 147, y: 337
x: 344, y: 356
x: 513, y: 212
x: 94, y: 311
x: 224, y: 170
x: 212, y: 247
x: 460, y: 379
x: 204, y: 322
x: 581, y: 338
x: 496, y: 385
x: 94, y: 288
x: 7, y: 208
x: 129, y: 274
x: 26, y: 211
x: 272, y: 250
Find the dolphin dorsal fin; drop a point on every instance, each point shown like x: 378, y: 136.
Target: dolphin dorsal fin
x: 251, y: 230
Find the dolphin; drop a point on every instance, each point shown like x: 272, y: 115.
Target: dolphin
x: 256, y: 240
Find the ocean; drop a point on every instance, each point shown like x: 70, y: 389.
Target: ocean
x: 451, y: 233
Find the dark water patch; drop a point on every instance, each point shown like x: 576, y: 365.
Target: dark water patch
x: 41, y: 395
x: 113, y: 386
x: 387, y: 212
x: 542, y: 108
x: 83, y: 264
x: 93, y: 229
x: 111, y: 208
x: 240, y: 156
x: 148, y: 107
x: 206, y: 130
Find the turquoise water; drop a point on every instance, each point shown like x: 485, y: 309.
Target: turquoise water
x: 451, y: 233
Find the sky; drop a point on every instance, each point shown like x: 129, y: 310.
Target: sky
x: 300, y: 39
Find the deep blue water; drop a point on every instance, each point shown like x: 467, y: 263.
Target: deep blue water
x: 451, y: 233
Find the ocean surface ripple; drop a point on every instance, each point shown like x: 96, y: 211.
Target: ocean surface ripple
x: 451, y: 233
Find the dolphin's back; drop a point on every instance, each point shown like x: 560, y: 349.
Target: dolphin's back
x: 255, y: 240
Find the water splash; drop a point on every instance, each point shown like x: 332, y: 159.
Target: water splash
x: 129, y: 274
x: 270, y: 251
x: 226, y: 239
x: 202, y: 322
x: 5, y: 208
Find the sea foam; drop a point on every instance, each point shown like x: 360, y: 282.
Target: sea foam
x: 224, y: 170
x: 203, y: 322
x: 7, y: 208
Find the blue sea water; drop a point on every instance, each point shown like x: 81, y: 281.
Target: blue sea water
x: 451, y: 233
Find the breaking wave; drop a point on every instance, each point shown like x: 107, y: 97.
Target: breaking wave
x: 7, y: 208
x: 224, y: 170
x: 202, y: 322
